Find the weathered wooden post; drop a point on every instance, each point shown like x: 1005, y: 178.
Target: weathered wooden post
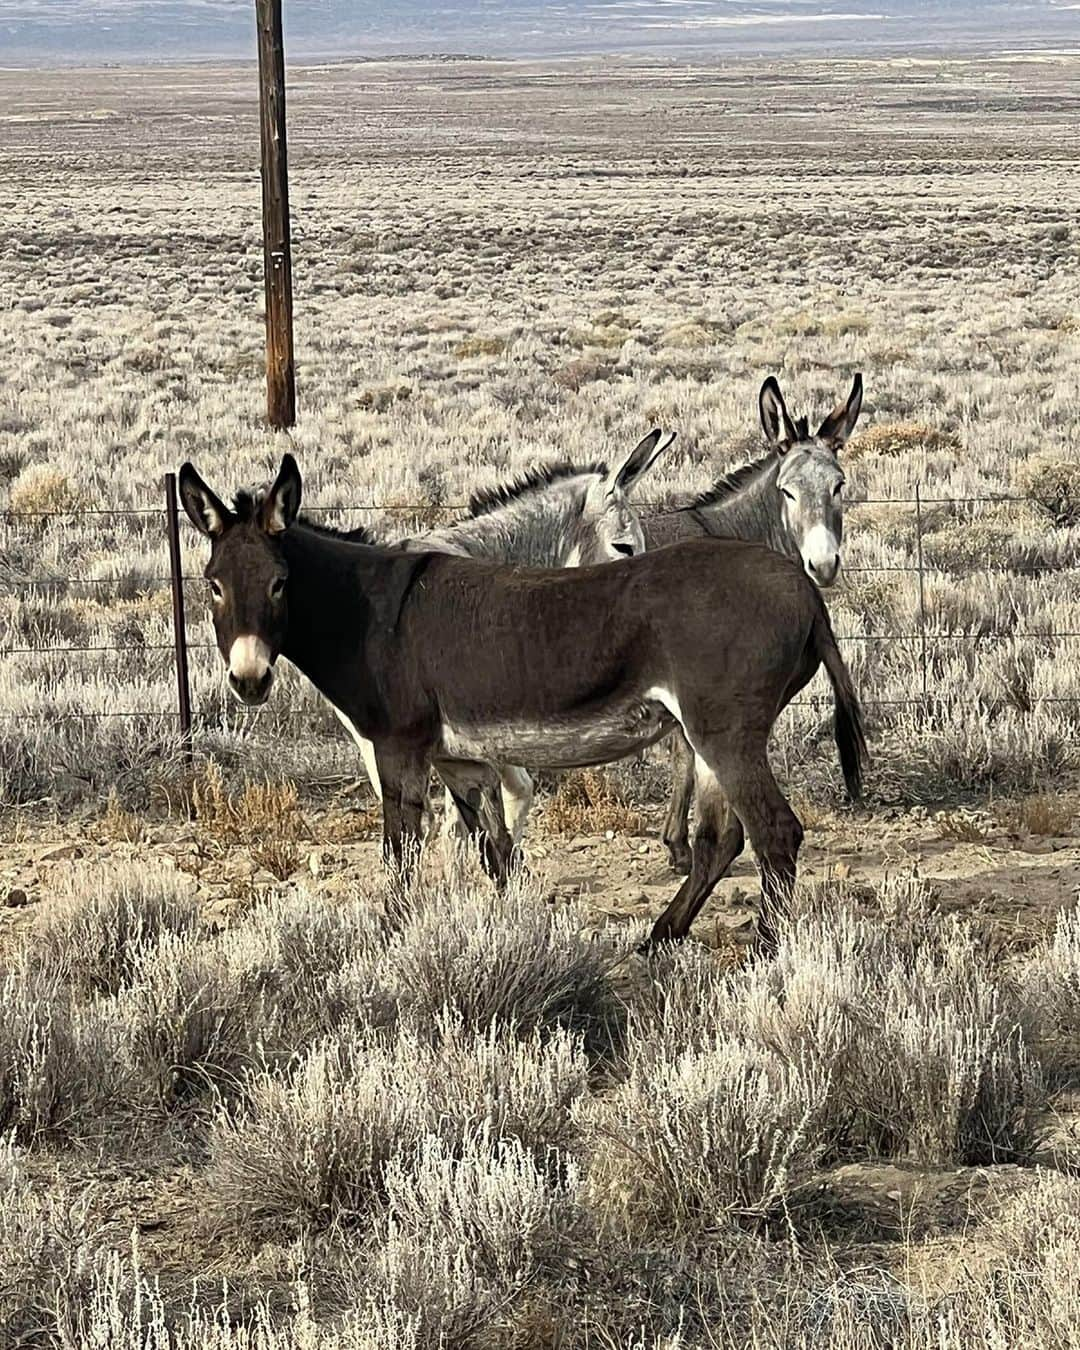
x: 277, y: 243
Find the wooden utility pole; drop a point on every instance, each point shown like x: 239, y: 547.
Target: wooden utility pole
x: 277, y: 243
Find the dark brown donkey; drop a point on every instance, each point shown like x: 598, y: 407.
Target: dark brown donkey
x: 578, y: 667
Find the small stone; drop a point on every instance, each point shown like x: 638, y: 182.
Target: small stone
x: 893, y: 1195
x: 609, y: 834
x: 315, y: 863
x: 63, y: 853
x: 16, y: 898
x: 643, y: 848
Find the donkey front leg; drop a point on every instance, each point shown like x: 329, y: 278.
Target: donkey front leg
x: 404, y: 781
x: 677, y: 824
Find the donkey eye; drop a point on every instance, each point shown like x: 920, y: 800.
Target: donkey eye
x: 627, y: 550
x: 789, y: 495
x: 277, y: 588
x: 216, y: 591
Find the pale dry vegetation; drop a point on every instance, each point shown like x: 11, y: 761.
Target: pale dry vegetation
x: 374, y: 1161
x: 375, y: 1119
x: 456, y: 325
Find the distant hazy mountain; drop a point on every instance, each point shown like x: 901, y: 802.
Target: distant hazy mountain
x: 161, y: 30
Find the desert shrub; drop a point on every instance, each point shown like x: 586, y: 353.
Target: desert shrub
x: 589, y: 801
x: 893, y: 439
x: 504, y: 960
x: 968, y: 547
x: 49, y: 1244
x: 311, y: 1150
x: 925, y: 1048
x: 1028, y: 1292
x: 466, y: 1232
x: 190, y: 1021
x: 103, y: 921
x: 700, y: 1138
x: 1053, y: 978
x: 321, y: 967
x: 43, y: 488
x: 1055, y: 484
x: 61, y: 1072
x: 479, y: 346
x: 584, y: 370
x: 1042, y: 813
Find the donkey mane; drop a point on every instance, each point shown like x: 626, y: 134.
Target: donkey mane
x: 730, y: 483
x: 246, y: 505
x: 503, y: 494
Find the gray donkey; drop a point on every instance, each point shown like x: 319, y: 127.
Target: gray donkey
x: 791, y: 500
x: 561, y: 515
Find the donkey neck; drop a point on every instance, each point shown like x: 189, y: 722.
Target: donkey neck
x: 750, y: 511
x: 342, y: 596
x: 540, y: 528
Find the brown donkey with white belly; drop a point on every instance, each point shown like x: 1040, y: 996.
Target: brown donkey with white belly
x: 464, y: 665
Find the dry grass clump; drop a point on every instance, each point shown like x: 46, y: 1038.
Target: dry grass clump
x: 967, y: 825
x: 588, y: 801
x: 118, y: 824
x: 1055, y: 484
x: 894, y: 439
x: 45, y: 489
x: 480, y: 346
x: 1041, y: 813
x: 262, y: 815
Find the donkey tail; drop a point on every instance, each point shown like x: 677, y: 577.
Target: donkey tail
x: 850, y: 736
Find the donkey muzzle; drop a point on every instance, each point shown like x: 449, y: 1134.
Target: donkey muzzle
x: 250, y: 671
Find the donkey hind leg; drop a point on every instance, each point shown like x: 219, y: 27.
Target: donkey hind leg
x: 718, y: 841
x: 774, y: 830
x: 474, y: 788
x: 677, y: 824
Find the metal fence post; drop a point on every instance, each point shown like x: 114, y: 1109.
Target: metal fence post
x: 922, y: 593
x: 176, y: 576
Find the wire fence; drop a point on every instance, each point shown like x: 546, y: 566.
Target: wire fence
x: 923, y: 635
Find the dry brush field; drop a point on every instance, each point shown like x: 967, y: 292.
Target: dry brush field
x: 252, y: 1096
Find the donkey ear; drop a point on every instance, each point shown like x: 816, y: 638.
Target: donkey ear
x: 204, y: 507
x: 281, y: 504
x: 640, y: 460
x: 778, y: 427
x: 840, y: 423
